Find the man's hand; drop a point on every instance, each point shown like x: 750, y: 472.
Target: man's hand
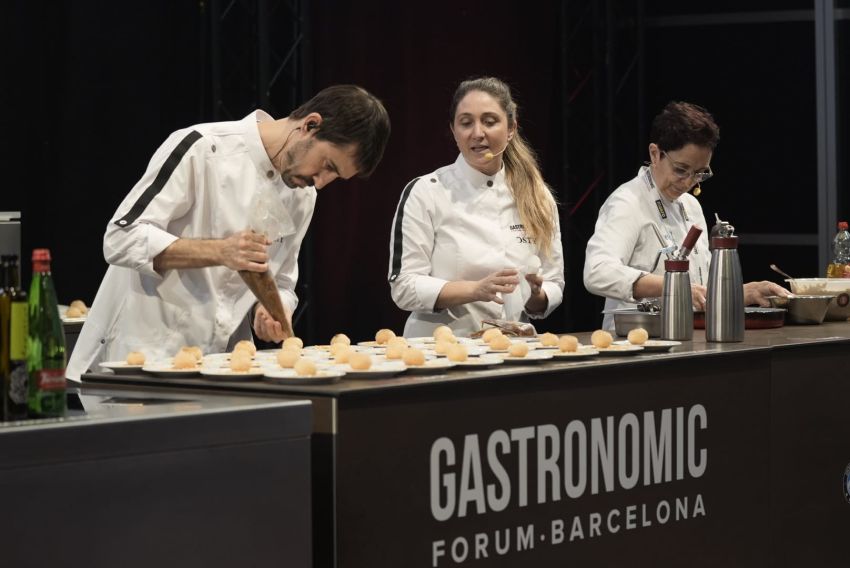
x: 266, y: 328
x: 245, y: 250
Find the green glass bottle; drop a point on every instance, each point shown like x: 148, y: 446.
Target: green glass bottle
x: 16, y: 378
x: 45, y: 342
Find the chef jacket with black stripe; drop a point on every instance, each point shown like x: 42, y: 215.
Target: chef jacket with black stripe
x: 199, y: 185
x: 624, y: 245
x: 460, y: 224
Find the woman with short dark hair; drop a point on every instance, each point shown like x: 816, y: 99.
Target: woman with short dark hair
x: 619, y: 258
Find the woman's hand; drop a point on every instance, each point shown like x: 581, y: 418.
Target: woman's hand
x: 698, y: 293
x: 265, y: 326
x: 245, y: 250
x: 757, y: 292
x: 488, y: 288
x: 538, y: 301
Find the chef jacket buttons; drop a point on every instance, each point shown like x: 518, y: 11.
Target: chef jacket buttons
x: 213, y: 147
x: 489, y: 183
x: 433, y: 180
x: 270, y: 174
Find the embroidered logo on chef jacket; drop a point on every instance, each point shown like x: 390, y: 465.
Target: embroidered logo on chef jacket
x: 518, y: 232
x: 661, y: 210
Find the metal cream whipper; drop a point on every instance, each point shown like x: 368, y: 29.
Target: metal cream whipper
x: 677, y: 313
x: 724, y: 303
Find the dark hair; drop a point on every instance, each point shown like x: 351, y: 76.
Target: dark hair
x: 534, y: 200
x: 351, y: 115
x: 683, y: 123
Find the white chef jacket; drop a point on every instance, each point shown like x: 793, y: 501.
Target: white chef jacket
x: 460, y: 224
x: 624, y: 245
x: 199, y: 185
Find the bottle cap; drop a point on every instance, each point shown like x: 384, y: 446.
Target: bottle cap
x: 724, y: 242
x: 842, y: 225
x: 41, y: 255
x: 676, y: 265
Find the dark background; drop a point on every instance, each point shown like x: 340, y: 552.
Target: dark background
x: 92, y: 88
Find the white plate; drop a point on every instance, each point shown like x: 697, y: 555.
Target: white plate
x: 620, y: 350
x: 480, y: 362
x: 653, y: 344
x: 421, y: 340
x: 531, y: 348
x: 162, y: 370
x: 432, y: 366
x: 121, y: 367
x: 471, y: 351
x: 581, y: 353
x: 226, y: 374
x: 532, y: 357
x: 288, y: 377
x: 376, y: 371
x: 538, y: 345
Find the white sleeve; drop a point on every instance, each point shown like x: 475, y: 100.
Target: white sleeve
x: 606, y: 269
x: 137, y: 231
x: 286, y: 277
x: 552, y: 271
x: 411, y: 243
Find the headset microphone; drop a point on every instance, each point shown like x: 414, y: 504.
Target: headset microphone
x: 491, y: 155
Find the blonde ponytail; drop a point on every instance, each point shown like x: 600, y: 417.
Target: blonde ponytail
x: 536, y: 204
x: 533, y: 197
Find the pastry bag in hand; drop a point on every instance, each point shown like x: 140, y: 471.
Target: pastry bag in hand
x: 268, y: 217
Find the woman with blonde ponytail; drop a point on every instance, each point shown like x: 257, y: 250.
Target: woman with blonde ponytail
x: 479, y: 238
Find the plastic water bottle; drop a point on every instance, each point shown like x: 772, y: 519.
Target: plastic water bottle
x: 840, y: 253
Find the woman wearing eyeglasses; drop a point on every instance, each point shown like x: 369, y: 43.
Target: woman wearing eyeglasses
x: 620, y: 255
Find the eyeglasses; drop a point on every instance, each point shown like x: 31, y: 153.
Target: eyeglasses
x: 682, y: 172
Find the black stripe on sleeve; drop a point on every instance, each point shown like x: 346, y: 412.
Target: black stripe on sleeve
x: 161, y: 179
x: 398, y: 245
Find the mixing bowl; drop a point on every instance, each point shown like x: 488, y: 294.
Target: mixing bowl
x: 809, y: 309
x: 839, y: 307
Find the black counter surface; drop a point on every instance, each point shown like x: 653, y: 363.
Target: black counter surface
x: 165, y: 479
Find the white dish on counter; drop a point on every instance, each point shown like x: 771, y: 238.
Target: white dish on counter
x: 480, y: 362
x: 531, y: 357
x: 653, y: 345
x: 227, y: 374
x: 290, y: 377
x: 619, y: 350
x: 581, y: 353
x: 121, y: 367
x: 432, y: 366
x: 378, y: 370
x: 166, y: 370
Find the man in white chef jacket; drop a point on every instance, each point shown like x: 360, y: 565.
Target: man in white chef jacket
x: 176, y: 242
